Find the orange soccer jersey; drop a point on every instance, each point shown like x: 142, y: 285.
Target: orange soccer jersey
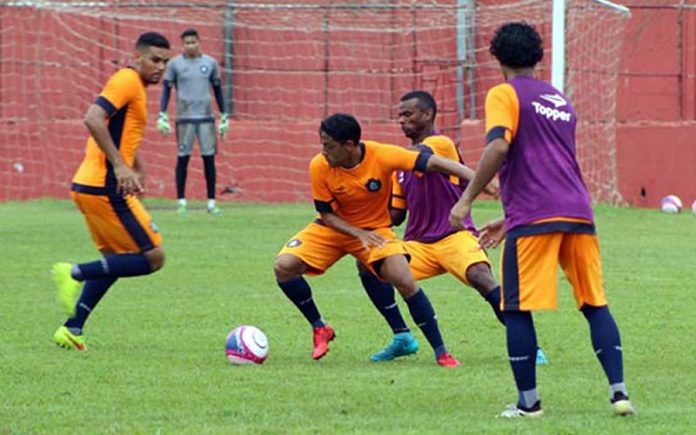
x: 361, y: 194
x: 125, y: 101
x: 117, y: 224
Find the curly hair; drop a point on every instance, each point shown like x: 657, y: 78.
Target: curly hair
x: 517, y: 45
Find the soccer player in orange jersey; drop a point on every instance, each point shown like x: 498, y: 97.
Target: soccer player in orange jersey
x: 351, y: 186
x: 106, y: 188
x: 530, y: 131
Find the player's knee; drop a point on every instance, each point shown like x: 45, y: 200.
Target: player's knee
x: 395, y: 271
x: 407, y: 288
x: 481, y: 278
x: 287, y: 267
x: 402, y: 280
x: 156, y: 258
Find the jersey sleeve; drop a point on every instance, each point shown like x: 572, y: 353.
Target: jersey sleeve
x: 323, y: 200
x: 215, y: 74
x: 442, y: 146
x: 122, y: 88
x: 398, y: 196
x: 397, y: 158
x: 502, y: 113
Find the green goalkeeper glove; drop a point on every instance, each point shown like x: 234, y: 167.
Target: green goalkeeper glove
x: 224, y: 126
x: 163, y: 124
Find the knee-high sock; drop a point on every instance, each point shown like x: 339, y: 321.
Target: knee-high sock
x: 92, y: 292
x: 493, y: 298
x: 522, y: 348
x: 424, y: 316
x: 299, y: 292
x: 606, y: 342
x: 382, y: 296
x: 181, y: 171
x: 114, y: 266
x: 210, y: 175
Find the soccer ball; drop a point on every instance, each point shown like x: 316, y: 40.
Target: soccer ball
x: 671, y: 204
x: 246, y: 345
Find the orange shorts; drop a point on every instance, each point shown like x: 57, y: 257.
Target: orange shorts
x: 320, y: 247
x: 118, y: 224
x: 454, y: 254
x: 529, y: 265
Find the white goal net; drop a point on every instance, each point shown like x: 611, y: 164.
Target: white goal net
x: 286, y: 66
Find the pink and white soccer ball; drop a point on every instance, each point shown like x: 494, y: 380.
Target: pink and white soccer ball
x: 671, y: 204
x: 246, y: 345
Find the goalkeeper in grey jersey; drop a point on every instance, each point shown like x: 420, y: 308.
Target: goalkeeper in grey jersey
x: 193, y: 74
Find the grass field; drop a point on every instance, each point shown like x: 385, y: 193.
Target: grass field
x: 156, y: 363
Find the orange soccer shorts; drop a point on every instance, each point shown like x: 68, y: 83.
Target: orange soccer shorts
x: 320, y: 247
x: 118, y: 224
x: 530, y: 259
x: 453, y: 254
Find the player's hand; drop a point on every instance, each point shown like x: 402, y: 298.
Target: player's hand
x: 492, y: 233
x: 163, y: 124
x: 224, y: 126
x: 459, y: 212
x: 140, y: 176
x: 371, y: 238
x: 492, y: 188
x: 127, y: 181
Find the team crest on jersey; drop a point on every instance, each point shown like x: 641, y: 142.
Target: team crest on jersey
x: 294, y: 243
x: 204, y: 69
x: 373, y: 185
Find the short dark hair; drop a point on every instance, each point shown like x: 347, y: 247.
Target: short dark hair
x: 517, y: 45
x: 190, y: 32
x: 152, y: 39
x: 425, y: 100
x: 342, y: 127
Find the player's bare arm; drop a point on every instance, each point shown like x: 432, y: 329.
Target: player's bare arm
x: 366, y: 237
x: 450, y: 167
x: 96, y: 121
x: 491, y: 161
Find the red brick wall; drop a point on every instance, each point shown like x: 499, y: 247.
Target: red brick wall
x: 656, y: 111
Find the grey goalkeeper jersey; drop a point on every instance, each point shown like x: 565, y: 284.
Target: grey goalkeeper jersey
x: 192, y: 78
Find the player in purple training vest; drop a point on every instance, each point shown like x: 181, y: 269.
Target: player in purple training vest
x: 530, y: 135
x: 434, y: 245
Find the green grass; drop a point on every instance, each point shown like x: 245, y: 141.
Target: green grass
x: 156, y: 361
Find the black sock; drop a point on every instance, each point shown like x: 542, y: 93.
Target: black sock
x: 522, y: 347
x: 181, y: 171
x: 210, y: 175
x: 606, y: 341
x: 424, y: 316
x: 299, y: 292
x: 92, y: 292
x: 493, y: 298
x: 115, y: 266
x: 382, y: 296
